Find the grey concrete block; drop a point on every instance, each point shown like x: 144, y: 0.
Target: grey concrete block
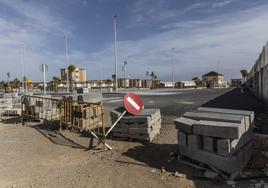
x: 208, y: 143
x: 182, y: 138
x: 220, y: 117
x: 227, y: 147
x: 218, y: 129
x: 194, y: 141
x: 228, y: 165
x: 184, y: 124
x: 250, y: 114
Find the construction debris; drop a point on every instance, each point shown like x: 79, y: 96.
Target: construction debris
x: 219, y: 138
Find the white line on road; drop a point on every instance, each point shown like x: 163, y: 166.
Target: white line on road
x: 113, y: 98
x: 113, y: 101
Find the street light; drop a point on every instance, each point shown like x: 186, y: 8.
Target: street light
x: 115, y: 54
x: 172, y: 71
x: 124, y: 69
x: 67, y: 63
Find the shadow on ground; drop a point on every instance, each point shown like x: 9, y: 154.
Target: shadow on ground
x: 157, y: 155
x: 236, y: 100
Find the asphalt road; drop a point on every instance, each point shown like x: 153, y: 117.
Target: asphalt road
x: 172, y: 103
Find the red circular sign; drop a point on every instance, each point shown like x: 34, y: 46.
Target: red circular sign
x: 133, y: 103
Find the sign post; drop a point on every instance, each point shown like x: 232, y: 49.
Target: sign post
x: 44, y: 69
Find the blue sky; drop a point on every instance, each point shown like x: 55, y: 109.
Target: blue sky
x: 220, y: 35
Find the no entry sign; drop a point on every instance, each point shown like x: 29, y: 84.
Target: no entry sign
x: 133, y: 103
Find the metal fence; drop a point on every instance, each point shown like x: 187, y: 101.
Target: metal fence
x: 79, y: 115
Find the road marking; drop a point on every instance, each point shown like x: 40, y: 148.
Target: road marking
x: 113, y: 98
x: 113, y: 101
x: 186, y: 102
x: 133, y: 103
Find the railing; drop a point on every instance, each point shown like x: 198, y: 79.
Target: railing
x: 79, y: 115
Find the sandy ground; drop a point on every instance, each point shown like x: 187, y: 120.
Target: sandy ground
x: 38, y: 156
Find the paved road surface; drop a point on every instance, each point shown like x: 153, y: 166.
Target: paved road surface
x: 172, y: 103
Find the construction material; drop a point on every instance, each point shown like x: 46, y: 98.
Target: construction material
x: 145, y: 126
x: 219, y: 138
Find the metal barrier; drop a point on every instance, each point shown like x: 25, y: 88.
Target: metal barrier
x: 79, y: 115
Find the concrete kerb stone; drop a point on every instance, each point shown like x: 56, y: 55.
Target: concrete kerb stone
x: 218, y: 129
x: 220, y: 117
x: 230, y: 111
x: 182, y: 138
x: 248, y: 115
x: 184, y: 124
x: 228, y: 165
x: 208, y: 143
x: 194, y: 141
x: 228, y: 147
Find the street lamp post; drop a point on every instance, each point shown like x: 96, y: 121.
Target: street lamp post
x: 25, y: 78
x: 67, y: 63
x: 172, y: 67
x: 115, y: 53
x: 124, y: 69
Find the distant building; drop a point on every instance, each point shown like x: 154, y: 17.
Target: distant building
x: 185, y: 84
x: 168, y: 84
x: 124, y: 83
x: 236, y: 82
x: 78, y: 75
x: 212, y: 79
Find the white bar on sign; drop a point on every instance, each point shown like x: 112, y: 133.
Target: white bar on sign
x: 133, y: 103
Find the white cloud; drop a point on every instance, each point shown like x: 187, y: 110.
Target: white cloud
x: 222, y: 3
x: 225, y: 46
x: 34, y: 25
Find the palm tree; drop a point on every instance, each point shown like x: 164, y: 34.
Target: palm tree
x: 71, y: 69
x: 153, y: 77
x: 55, y: 81
x: 244, y: 73
x: 15, y: 84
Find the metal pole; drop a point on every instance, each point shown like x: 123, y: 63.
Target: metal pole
x: 23, y: 68
x: 44, y: 72
x: 67, y: 63
x: 115, y: 54
x: 25, y: 71
x: 172, y: 70
x: 125, y: 75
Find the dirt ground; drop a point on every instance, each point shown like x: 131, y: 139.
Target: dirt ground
x: 36, y: 155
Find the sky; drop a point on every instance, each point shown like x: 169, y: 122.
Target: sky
x: 195, y: 36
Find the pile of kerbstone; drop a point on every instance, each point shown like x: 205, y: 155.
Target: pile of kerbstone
x: 145, y: 126
x: 86, y: 117
x: 219, y: 138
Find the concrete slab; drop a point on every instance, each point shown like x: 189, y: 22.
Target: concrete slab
x: 209, y: 116
x: 182, y: 138
x: 218, y: 129
x: 194, y: 141
x: 250, y: 114
x: 208, y: 143
x: 228, y: 165
x: 227, y: 147
x: 185, y: 124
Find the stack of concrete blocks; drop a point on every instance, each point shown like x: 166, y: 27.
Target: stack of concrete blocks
x: 219, y: 138
x: 145, y: 126
x: 5, y: 105
x: 42, y: 109
x: 86, y: 117
x: 9, y: 104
